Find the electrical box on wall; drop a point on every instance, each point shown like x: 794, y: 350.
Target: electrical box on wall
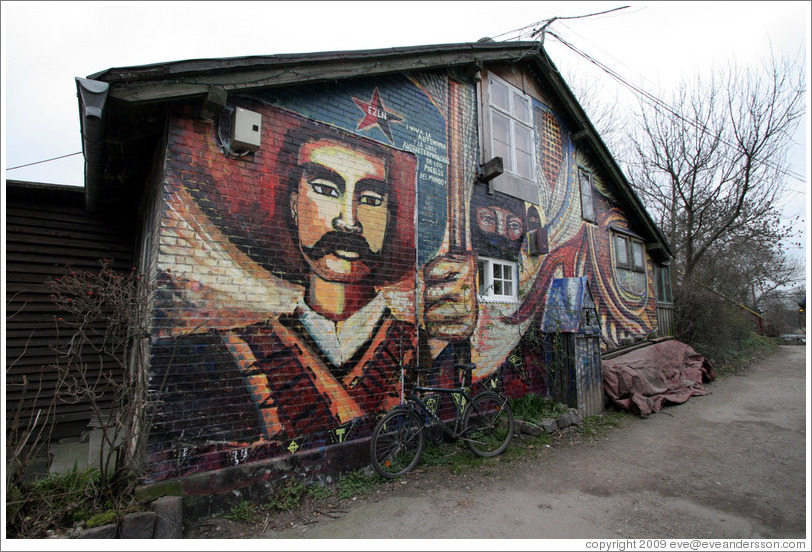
x: 246, y: 130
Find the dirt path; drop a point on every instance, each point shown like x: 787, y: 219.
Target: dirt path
x: 728, y: 465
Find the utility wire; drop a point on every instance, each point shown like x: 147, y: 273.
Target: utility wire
x: 656, y: 102
x: 546, y: 22
x: 44, y: 161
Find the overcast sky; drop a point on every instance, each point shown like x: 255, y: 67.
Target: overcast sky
x: 653, y: 44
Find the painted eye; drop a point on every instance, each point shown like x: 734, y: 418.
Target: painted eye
x: 324, y: 189
x: 371, y: 200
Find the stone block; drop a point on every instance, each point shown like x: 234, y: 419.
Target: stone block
x: 168, y: 518
x: 528, y: 428
x: 138, y: 525
x: 564, y: 420
x: 549, y: 425
x: 576, y: 417
x: 101, y: 532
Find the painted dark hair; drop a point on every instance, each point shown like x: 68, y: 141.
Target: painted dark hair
x: 248, y: 199
x: 288, y: 165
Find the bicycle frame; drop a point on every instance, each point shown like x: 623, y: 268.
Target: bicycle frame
x: 428, y: 414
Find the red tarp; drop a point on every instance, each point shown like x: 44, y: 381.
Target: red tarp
x: 665, y: 372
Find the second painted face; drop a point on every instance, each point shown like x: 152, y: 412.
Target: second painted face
x: 496, y: 221
x: 341, y: 210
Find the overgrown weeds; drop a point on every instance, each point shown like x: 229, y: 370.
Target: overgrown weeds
x: 534, y: 408
x: 61, y: 503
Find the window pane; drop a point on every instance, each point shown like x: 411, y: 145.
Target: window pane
x: 507, y: 272
x: 524, y: 165
x: 637, y: 254
x: 499, y: 95
x: 666, y: 272
x: 503, y: 151
x: 524, y: 138
x: 497, y: 271
x: 521, y: 107
x: 482, y: 266
x: 500, y: 127
x: 507, y: 287
x: 497, y: 287
x: 587, y: 208
x: 621, y: 257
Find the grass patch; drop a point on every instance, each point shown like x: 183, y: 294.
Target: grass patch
x: 244, y: 511
x: 356, y: 483
x: 288, y: 497
x: 63, y: 502
x: 601, y: 424
x: 737, y: 360
x: 534, y: 408
x: 103, y: 518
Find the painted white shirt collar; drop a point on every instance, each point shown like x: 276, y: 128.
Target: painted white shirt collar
x: 340, y: 341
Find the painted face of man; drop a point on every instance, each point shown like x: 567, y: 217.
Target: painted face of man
x: 496, y: 221
x: 341, y: 210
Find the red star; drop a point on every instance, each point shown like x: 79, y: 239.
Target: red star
x: 375, y: 113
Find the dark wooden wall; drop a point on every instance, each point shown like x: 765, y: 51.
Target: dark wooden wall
x: 47, y: 230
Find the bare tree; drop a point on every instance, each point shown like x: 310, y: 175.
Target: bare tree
x: 712, y: 167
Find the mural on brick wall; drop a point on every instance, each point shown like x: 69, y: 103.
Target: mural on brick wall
x: 579, y: 248
x: 302, y: 283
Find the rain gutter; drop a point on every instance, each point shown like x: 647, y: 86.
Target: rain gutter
x: 92, y: 96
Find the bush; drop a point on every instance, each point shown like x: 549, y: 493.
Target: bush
x: 716, y: 328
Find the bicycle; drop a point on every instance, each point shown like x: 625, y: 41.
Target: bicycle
x: 485, y: 423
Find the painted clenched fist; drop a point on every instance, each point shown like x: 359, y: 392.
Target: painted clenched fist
x: 450, y: 296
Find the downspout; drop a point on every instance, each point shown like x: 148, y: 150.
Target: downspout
x: 92, y: 98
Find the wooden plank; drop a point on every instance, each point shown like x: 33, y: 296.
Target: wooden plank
x: 47, y: 230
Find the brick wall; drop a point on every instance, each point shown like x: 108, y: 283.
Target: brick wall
x: 274, y: 332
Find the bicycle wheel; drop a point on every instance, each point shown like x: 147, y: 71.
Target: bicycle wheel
x: 488, y: 424
x: 397, y: 443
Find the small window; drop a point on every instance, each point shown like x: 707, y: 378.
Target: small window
x: 587, y: 206
x: 497, y: 280
x: 629, y: 254
x: 664, y: 293
x: 630, y: 264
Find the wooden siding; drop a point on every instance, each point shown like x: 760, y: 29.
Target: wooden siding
x: 665, y: 320
x: 48, y: 230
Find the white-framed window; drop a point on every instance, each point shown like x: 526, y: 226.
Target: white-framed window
x: 587, y: 204
x: 498, y: 280
x: 510, y: 122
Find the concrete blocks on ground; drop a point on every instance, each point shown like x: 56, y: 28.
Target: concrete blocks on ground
x: 169, y: 518
x: 163, y: 521
x: 138, y: 525
x: 101, y: 532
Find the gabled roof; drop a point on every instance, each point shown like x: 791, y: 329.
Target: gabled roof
x: 135, y: 97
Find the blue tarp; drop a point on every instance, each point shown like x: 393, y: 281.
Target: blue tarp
x: 565, y: 302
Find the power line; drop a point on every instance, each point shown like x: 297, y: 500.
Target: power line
x: 44, y: 161
x: 657, y: 103
x: 547, y: 22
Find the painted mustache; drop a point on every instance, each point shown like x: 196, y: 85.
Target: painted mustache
x: 332, y: 242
